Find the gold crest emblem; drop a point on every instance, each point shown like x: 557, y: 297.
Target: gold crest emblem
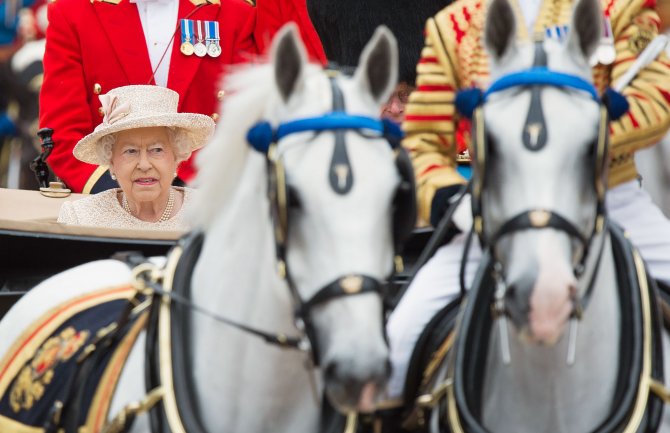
x: 639, y: 41
x: 34, y: 377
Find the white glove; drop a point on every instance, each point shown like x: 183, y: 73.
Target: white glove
x: 462, y: 218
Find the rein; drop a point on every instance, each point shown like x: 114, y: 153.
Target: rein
x: 147, y: 275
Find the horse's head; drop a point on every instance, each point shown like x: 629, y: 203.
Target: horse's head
x: 334, y: 175
x: 538, y: 151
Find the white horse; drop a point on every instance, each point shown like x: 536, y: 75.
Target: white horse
x: 653, y: 164
x: 239, y: 382
x: 556, y: 354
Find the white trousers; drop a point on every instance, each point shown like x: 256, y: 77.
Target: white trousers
x: 437, y: 283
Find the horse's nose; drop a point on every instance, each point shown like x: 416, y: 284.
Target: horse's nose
x: 517, y: 301
x: 351, y: 378
x: 353, y: 387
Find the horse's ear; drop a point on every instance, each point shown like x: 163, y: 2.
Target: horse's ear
x: 500, y: 30
x: 377, y: 70
x: 289, y: 60
x: 586, y: 28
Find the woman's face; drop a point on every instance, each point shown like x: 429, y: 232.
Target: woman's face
x: 144, y: 163
x: 394, y: 109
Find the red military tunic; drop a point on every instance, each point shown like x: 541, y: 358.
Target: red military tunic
x: 94, y: 46
x: 273, y: 14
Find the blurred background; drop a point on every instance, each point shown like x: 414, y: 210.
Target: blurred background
x: 22, y: 27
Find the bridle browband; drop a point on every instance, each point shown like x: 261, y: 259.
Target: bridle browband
x: 534, y: 137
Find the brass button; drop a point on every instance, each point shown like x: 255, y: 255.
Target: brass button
x: 220, y: 95
x: 101, y: 112
x: 215, y: 116
x: 97, y: 88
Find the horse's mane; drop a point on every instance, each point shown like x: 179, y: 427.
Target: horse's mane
x: 221, y: 162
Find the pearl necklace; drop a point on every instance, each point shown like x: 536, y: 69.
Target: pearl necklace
x: 167, y: 212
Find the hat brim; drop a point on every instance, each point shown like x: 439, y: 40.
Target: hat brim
x: 199, y: 126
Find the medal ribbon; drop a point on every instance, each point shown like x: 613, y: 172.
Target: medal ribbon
x: 216, y: 32
x: 187, y: 31
x: 558, y: 33
x: 209, y: 30
x: 199, y: 23
x: 185, y: 35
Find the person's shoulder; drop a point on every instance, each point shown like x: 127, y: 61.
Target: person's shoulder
x: 76, y: 11
x: 71, y: 4
x: 187, y: 191
x: 238, y: 11
x: 82, y: 210
x: 464, y: 9
x: 458, y: 15
x: 101, y: 199
x: 623, y: 12
x: 241, y: 7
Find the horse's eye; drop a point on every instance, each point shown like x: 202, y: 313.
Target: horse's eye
x: 591, y: 150
x: 490, y: 146
x: 293, y: 198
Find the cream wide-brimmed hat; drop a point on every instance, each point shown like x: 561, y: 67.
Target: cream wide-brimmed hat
x: 132, y: 107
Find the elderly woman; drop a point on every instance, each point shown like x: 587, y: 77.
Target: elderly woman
x: 142, y: 139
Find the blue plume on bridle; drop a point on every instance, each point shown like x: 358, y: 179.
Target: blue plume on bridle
x: 468, y: 100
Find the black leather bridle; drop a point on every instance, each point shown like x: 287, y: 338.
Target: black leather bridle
x: 264, y: 138
x: 535, y: 79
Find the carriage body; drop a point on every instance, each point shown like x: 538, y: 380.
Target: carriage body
x: 35, y: 246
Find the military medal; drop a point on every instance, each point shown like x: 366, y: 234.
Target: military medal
x: 213, y: 47
x: 199, y: 48
x: 186, y: 47
x: 558, y: 33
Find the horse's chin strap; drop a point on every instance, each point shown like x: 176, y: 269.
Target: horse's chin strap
x: 350, y: 285
x: 538, y: 219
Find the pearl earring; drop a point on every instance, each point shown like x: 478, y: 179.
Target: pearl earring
x: 113, y: 176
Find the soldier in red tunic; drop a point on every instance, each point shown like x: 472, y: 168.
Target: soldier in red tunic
x: 94, y: 46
